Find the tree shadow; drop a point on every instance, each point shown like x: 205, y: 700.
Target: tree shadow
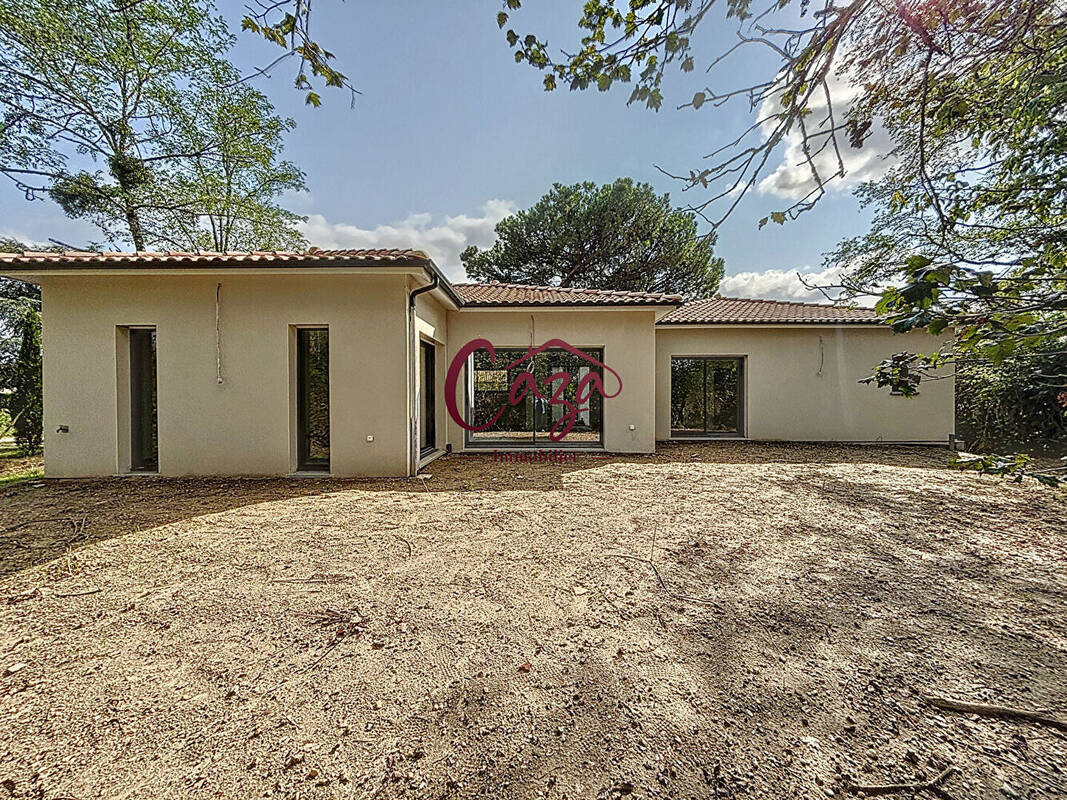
x: 46, y: 519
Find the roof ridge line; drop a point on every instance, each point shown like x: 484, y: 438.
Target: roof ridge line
x: 623, y: 292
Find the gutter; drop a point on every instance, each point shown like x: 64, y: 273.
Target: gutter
x: 434, y: 283
x: 413, y: 351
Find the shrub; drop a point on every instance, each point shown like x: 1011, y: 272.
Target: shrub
x: 27, y: 408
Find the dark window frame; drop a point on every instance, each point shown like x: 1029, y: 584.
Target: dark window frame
x: 742, y: 397
x: 470, y: 442
x: 428, y: 388
x: 144, y: 375
x: 304, y: 461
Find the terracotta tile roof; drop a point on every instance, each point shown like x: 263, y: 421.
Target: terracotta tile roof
x: 513, y: 294
x: 76, y: 258
x: 738, y: 311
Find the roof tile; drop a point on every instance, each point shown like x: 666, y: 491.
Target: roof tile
x: 513, y: 294
x: 740, y: 311
x: 208, y: 258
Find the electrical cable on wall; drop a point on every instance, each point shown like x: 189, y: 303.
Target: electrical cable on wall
x: 822, y: 357
x: 218, y: 336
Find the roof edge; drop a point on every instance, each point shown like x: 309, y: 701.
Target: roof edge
x: 831, y: 321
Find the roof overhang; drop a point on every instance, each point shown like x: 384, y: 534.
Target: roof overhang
x: 660, y: 309
x: 422, y: 270
x: 794, y: 325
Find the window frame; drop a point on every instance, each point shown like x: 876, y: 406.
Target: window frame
x: 428, y: 381
x: 140, y: 460
x: 742, y: 398
x: 533, y: 443
x: 304, y: 461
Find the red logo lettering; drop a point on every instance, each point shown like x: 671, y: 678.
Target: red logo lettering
x: 526, y: 384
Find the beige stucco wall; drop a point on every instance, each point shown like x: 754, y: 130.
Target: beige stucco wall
x: 801, y: 382
x: 628, y: 339
x: 245, y: 425
x: 431, y: 325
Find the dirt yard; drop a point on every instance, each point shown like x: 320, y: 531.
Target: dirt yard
x: 499, y: 630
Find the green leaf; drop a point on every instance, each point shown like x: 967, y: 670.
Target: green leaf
x: 502, y: 19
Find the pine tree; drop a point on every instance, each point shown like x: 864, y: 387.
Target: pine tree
x: 27, y: 407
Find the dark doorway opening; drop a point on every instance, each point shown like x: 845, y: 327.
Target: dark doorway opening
x: 427, y: 398
x: 313, y: 398
x: 144, y: 414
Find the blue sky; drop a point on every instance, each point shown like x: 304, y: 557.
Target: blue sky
x: 449, y: 134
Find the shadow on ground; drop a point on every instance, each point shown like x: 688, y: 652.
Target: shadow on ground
x: 718, y: 620
x: 45, y: 519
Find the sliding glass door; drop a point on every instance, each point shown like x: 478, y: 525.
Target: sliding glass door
x: 313, y: 398
x: 706, y: 396
x: 530, y: 422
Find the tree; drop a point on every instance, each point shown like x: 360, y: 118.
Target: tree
x: 287, y: 24
x: 821, y: 77
x: 970, y: 237
x: 230, y: 185
x: 15, y: 297
x: 969, y: 240
x: 96, y: 99
x: 27, y: 410
x: 616, y: 236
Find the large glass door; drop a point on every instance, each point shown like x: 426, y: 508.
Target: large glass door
x: 706, y: 396
x: 313, y: 398
x: 144, y: 409
x: 531, y: 421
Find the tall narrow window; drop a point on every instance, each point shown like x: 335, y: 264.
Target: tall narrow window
x: 427, y: 399
x: 313, y: 398
x: 144, y: 417
x: 706, y: 396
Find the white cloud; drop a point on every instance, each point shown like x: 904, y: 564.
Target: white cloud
x: 443, y: 241
x: 782, y: 284
x: 792, y: 178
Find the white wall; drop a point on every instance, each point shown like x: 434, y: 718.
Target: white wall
x: 243, y: 426
x: 627, y: 337
x: 801, y: 382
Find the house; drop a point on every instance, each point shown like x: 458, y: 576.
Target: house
x: 370, y: 362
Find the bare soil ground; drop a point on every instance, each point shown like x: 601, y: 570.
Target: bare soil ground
x: 494, y: 630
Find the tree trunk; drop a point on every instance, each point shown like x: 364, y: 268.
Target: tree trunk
x: 133, y: 220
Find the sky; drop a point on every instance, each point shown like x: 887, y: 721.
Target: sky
x: 449, y: 135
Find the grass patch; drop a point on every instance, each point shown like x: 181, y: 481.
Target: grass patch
x: 17, y: 466
x: 23, y: 475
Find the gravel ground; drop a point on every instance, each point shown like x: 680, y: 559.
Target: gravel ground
x: 723, y: 620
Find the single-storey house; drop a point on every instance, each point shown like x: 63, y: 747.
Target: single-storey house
x: 371, y: 363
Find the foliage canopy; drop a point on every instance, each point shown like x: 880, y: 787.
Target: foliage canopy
x: 131, y: 117
x: 620, y: 235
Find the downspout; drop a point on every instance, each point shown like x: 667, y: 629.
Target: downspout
x: 413, y: 354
